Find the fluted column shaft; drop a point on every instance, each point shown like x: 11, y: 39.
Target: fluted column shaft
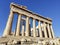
x: 52, y: 31
x: 18, y: 25
x: 40, y: 31
x: 23, y: 30
x: 8, y: 28
x: 34, y: 28
x: 27, y: 26
x: 45, y: 29
x: 49, y: 31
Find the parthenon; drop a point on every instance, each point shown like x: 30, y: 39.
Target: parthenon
x: 23, y: 31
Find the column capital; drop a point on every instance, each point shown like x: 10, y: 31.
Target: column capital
x: 20, y: 14
x: 44, y: 24
x: 34, y: 19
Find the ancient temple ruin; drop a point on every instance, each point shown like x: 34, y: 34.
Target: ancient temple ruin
x: 25, y: 34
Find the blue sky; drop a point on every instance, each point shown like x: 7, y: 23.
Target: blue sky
x: 47, y: 8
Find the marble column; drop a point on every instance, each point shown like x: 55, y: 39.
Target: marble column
x: 23, y: 30
x: 52, y: 31
x: 27, y: 26
x: 8, y: 28
x: 18, y: 25
x: 45, y: 29
x: 49, y: 31
x: 34, y: 28
x: 40, y: 31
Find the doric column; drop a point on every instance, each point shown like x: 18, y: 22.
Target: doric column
x: 52, y: 31
x: 49, y: 31
x: 8, y: 28
x: 45, y: 29
x: 18, y: 25
x: 23, y: 30
x: 27, y: 26
x: 40, y: 31
x: 34, y: 28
